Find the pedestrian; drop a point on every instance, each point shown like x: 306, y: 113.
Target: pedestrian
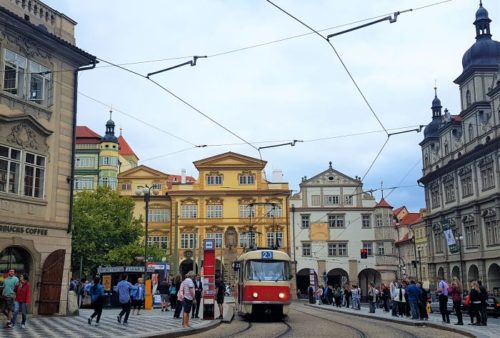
x: 348, y: 295
x: 443, y: 306
x: 393, y: 291
x: 400, y: 299
x: 96, y: 293
x: 188, y: 297
x: 455, y: 291
x: 123, y: 288
x: 318, y: 294
x: 406, y: 303
x: 356, y: 297
x: 372, y: 297
x: 9, y: 296
x: 138, y: 295
x: 337, y: 296
x: 198, y: 290
x: 484, y: 298
x: 164, y: 294
x: 80, y: 291
x: 386, y: 296
x: 220, y: 289
x: 310, y: 294
x: 23, y: 299
x: 475, y: 303
x: 413, y: 298
x: 178, y: 304
x: 422, y: 302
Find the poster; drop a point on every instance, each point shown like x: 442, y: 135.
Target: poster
x: 106, y: 282
x: 450, y: 237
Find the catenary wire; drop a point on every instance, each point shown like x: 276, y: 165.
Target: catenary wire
x: 183, y: 101
x: 404, y: 177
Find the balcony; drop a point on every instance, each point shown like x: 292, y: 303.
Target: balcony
x: 386, y: 260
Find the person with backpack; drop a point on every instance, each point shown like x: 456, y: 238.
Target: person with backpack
x: 123, y: 288
x: 163, y: 290
x: 96, y: 293
x: 337, y: 295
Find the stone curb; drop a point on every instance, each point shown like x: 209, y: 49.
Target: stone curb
x: 404, y: 322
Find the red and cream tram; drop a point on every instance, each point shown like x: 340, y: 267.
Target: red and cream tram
x: 263, y: 283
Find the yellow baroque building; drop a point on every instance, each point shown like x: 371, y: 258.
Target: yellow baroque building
x: 232, y: 202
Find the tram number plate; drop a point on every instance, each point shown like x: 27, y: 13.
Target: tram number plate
x: 267, y: 255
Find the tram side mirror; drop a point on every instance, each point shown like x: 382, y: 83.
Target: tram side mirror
x: 236, y: 266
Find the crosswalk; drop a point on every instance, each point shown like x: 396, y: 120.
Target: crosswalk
x: 148, y: 323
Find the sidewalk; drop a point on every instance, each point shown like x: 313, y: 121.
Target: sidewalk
x: 492, y: 330
x: 151, y: 323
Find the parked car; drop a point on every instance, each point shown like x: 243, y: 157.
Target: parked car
x: 435, y: 306
x: 492, y: 306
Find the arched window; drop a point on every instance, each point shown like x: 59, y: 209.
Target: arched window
x: 15, y: 258
x: 468, y: 98
x: 471, y: 132
x: 446, y: 149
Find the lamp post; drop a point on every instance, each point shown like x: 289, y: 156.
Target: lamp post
x: 459, y: 239
x: 146, y: 192
x: 420, y: 263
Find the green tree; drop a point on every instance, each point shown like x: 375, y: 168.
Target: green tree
x: 103, y: 227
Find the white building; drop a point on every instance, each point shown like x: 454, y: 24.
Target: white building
x: 332, y: 220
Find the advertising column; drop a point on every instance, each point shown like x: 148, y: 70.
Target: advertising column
x: 208, y: 279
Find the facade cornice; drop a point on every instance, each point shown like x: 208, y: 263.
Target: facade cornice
x: 455, y: 209
x: 267, y: 193
x: 479, y: 151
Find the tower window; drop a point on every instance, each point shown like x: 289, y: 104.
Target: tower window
x: 468, y: 98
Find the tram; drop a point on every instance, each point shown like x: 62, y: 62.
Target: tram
x: 263, y: 283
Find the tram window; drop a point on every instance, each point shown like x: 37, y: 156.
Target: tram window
x: 267, y: 271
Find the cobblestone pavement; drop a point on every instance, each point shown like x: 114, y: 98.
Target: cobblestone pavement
x: 492, y: 330
x: 148, y: 323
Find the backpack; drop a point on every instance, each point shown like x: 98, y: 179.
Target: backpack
x: 180, y: 294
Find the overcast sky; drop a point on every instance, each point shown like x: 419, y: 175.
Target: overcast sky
x: 293, y: 89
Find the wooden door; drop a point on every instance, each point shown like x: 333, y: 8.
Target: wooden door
x: 50, y: 288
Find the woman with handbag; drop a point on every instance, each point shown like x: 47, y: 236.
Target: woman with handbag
x: 23, y: 299
x: 96, y: 293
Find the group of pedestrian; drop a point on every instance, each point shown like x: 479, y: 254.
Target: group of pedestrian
x: 16, y: 297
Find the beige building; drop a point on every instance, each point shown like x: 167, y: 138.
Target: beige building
x: 40, y: 64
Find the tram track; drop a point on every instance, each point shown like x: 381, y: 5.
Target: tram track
x: 360, y: 333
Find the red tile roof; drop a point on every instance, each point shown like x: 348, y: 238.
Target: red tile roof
x: 383, y: 204
x: 405, y: 238
x: 411, y: 218
x: 125, y: 149
x: 86, y: 135
x: 395, y: 212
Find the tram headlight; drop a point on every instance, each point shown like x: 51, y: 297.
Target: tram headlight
x: 281, y: 295
x: 255, y: 295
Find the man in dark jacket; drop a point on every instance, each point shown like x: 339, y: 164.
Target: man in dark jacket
x: 198, y: 290
x: 484, y: 298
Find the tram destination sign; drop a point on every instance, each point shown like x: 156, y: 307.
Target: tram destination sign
x: 19, y: 229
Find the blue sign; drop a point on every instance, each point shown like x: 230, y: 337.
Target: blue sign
x: 267, y: 255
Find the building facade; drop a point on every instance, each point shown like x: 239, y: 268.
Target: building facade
x: 332, y: 220
x: 40, y: 64
x: 132, y: 183
x: 460, y: 155
x: 100, y: 159
x: 233, y: 203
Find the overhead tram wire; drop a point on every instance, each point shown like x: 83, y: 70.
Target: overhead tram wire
x: 404, y: 177
x: 183, y: 101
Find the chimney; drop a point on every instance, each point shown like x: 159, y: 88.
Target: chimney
x: 183, y: 176
x: 277, y: 175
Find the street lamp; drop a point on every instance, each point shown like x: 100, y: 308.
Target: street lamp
x: 459, y: 239
x: 146, y: 192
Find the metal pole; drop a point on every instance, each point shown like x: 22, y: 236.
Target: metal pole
x: 464, y: 285
x: 147, y: 196
x: 175, y: 263
x: 420, y: 265
x: 415, y: 251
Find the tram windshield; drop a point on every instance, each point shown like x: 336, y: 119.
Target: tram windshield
x: 267, y: 270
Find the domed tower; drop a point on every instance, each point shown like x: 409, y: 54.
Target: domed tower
x: 480, y: 63
x: 108, y: 156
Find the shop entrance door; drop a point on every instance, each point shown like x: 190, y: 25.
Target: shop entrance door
x: 50, y: 289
